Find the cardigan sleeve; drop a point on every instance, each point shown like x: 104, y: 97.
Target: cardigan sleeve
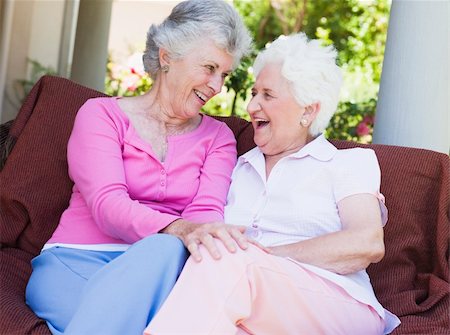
x: 215, y: 178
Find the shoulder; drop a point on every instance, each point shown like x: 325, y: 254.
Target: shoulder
x: 212, y: 122
x: 355, y: 171
x: 356, y: 166
x: 219, y: 128
x: 101, y: 102
x: 359, y: 157
x: 97, y: 105
x: 103, y: 107
x: 101, y: 115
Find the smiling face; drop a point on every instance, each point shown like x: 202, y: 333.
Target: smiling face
x: 275, y: 114
x: 194, y: 79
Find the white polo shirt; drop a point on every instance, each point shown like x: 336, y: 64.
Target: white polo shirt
x: 299, y: 201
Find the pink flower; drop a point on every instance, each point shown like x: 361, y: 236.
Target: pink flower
x: 368, y: 119
x: 362, y: 129
x: 116, y: 70
x: 134, y: 62
x: 132, y: 88
x: 130, y: 82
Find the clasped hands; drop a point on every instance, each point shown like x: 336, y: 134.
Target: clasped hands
x: 195, y: 234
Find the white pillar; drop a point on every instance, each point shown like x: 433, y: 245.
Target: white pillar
x: 6, y: 15
x: 413, y: 103
x: 91, y: 43
x: 67, y: 43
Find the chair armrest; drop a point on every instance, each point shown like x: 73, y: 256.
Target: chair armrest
x: 5, y: 142
x: 15, y: 316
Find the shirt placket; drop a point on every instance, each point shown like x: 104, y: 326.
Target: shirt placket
x: 162, y: 183
x: 255, y: 231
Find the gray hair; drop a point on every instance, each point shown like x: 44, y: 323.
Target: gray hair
x: 190, y: 23
x: 311, y: 71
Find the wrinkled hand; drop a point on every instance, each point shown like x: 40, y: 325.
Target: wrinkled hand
x: 194, y: 234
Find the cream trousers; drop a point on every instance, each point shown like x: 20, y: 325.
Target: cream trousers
x: 252, y: 292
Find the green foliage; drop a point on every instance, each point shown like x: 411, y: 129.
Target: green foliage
x: 239, y: 83
x: 358, y: 31
x: 21, y: 87
x: 37, y: 70
x: 356, y: 28
x: 353, y: 121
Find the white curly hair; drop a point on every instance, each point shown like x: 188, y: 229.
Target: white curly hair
x: 311, y: 71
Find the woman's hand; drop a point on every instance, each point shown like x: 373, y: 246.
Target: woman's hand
x: 194, y: 234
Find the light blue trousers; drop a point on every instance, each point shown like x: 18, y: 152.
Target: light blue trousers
x: 96, y: 292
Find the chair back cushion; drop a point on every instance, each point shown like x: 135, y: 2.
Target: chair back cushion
x: 412, y: 280
x: 35, y: 186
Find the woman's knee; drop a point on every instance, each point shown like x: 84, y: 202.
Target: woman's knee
x: 41, y: 282
x: 238, y: 258
x: 35, y: 290
x: 158, y: 242
x: 249, y: 255
x: 159, y: 250
x: 47, y: 291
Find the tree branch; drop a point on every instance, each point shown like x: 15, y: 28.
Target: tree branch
x: 298, y: 26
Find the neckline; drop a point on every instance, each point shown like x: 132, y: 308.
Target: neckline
x: 194, y: 132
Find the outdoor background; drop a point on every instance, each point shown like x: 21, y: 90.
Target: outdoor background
x: 357, y: 29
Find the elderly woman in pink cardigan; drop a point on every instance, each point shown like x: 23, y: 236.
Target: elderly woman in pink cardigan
x: 150, y: 173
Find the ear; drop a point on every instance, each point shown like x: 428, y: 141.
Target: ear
x: 164, y: 58
x: 311, y: 111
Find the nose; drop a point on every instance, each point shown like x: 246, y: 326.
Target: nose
x: 253, y: 106
x: 215, y: 83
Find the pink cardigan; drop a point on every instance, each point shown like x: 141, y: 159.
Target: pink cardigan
x: 123, y: 193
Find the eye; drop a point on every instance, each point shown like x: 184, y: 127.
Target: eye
x: 225, y: 75
x: 267, y: 96
x: 210, y: 68
x: 254, y: 93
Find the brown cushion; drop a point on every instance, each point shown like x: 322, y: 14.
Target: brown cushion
x: 4, y: 135
x: 15, y: 316
x: 35, y: 187
x: 413, y: 278
x: 243, y: 131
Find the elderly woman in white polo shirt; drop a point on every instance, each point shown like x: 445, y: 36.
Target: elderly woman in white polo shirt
x: 313, y: 218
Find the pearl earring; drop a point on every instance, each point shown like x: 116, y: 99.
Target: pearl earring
x: 165, y: 68
x: 304, y: 122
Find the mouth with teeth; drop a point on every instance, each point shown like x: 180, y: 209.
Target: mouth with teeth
x: 261, y: 123
x: 203, y: 98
